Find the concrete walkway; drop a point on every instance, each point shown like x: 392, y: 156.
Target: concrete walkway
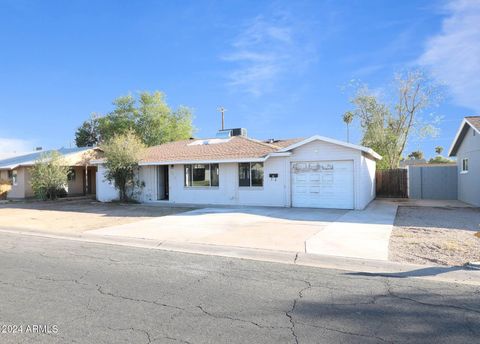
x: 358, y: 234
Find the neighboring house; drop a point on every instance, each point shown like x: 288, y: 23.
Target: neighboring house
x: 466, y: 147
x: 82, y: 179
x: 10, y: 155
x: 233, y: 169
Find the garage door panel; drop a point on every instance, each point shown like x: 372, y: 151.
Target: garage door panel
x: 322, y: 184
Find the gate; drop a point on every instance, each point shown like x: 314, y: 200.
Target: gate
x: 433, y: 182
x: 392, y: 183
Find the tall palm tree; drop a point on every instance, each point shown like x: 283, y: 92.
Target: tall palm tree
x: 348, y: 118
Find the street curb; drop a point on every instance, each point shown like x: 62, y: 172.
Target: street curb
x: 352, y: 266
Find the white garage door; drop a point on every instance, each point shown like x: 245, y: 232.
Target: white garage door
x: 322, y: 184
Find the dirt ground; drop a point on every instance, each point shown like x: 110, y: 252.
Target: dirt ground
x: 75, y: 217
x: 436, y: 235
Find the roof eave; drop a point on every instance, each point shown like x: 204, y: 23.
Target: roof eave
x: 454, y: 146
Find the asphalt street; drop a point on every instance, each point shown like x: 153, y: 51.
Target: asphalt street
x: 60, y: 291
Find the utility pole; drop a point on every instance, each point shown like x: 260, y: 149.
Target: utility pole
x: 222, y: 110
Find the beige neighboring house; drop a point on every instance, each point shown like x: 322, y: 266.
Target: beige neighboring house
x: 82, y: 179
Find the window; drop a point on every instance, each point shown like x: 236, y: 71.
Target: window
x: 12, y: 176
x: 72, y: 175
x: 205, y: 175
x: 250, y: 174
x: 464, y: 165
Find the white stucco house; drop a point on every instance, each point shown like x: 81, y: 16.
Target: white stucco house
x: 233, y: 169
x: 466, y: 147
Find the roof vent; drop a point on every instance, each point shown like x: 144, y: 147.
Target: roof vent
x: 226, y: 133
x: 271, y: 141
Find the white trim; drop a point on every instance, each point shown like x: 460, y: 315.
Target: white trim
x: 275, y: 154
x: 465, y: 121
x: 329, y: 140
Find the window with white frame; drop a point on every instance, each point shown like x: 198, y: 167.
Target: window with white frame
x: 250, y: 174
x: 201, y: 175
x: 465, y: 165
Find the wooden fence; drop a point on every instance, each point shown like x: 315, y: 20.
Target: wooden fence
x: 392, y: 183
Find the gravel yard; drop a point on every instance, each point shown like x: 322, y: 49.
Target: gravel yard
x: 76, y: 216
x: 436, y: 235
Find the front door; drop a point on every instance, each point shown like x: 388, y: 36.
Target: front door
x: 162, y: 183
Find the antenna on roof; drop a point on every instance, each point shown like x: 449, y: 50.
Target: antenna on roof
x: 222, y: 110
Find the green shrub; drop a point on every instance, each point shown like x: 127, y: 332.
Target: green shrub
x: 122, y: 154
x: 5, y: 187
x: 49, y: 176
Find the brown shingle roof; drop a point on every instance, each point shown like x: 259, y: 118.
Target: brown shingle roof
x: 474, y: 120
x: 237, y: 147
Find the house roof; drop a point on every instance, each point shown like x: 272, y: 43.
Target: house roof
x: 233, y: 149
x: 367, y: 150
x: 468, y: 122
x: 30, y: 158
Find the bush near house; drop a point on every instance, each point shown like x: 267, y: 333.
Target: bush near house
x: 49, y: 176
x: 122, y: 154
x: 5, y: 187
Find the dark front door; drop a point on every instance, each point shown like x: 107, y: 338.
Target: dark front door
x: 165, y: 175
x: 162, y: 182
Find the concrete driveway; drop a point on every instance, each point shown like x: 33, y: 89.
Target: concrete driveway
x: 284, y: 229
x: 359, y: 234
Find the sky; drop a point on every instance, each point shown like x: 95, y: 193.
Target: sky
x: 280, y: 68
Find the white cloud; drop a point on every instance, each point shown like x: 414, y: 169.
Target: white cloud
x: 264, y: 51
x: 8, y: 145
x: 453, y: 56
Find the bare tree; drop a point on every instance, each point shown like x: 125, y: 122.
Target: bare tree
x: 387, y: 127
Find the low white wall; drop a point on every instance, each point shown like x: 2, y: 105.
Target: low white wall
x: 367, y: 192
x: 106, y: 192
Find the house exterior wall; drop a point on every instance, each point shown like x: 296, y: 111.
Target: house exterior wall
x: 366, y: 186
x: 468, y: 183
x: 106, y: 192
x: 18, y: 190
x: 27, y: 182
x: 148, y: 175
x: 75, y: 187
x: 228, y: 192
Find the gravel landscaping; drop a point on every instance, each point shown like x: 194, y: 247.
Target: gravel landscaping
x: 436, y: 235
